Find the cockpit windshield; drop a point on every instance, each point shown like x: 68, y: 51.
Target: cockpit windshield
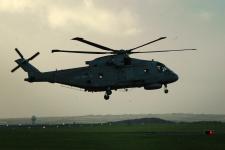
x: 161, y: 67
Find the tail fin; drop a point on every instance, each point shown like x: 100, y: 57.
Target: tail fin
x: 33, y: 73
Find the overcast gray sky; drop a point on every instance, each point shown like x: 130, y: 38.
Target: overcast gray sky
x: 42, y: 25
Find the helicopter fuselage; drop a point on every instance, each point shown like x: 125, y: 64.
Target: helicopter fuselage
x: 114, y: 71
x: 139, y: 73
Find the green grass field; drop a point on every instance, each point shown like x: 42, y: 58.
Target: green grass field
x: 185, y: 136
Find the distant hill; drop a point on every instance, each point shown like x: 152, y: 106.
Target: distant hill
x: 114, y: 118
x: 143, y: 121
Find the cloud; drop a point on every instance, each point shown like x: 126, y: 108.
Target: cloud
x: 207, y: 16
x: 84, y: 14
x: 89, y: 16
x: 14, y: 6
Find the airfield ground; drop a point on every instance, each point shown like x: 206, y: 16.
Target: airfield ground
x: 185, y: 136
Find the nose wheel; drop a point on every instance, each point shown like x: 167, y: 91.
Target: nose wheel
x: 108, y: 92
x: 165, y: 89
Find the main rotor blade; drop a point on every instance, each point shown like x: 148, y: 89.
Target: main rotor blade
x: 18, y: 52
x: 93, y: 44
x: 147, y: 44
x: 14, y: 69
x: 82, y: 52
x: 32, y: 57
x: 163, y: 51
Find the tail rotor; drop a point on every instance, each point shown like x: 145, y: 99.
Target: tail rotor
x: 18, y: 52
x: 22, y: 60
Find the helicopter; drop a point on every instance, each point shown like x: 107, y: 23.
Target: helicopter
x: 116, y: 70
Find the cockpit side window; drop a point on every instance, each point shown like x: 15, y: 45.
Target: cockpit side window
x: 161, y: 68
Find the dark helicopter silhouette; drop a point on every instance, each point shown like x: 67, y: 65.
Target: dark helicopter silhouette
x: 114, y: 71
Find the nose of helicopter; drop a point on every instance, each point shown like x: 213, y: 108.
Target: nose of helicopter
x: 170, y: 78
x: 174, y: 77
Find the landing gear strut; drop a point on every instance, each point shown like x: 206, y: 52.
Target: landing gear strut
x: 108, y: 92
x: 165, y: 89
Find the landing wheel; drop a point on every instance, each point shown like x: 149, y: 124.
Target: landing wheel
x: 106, y: 97
x: 165, y: 89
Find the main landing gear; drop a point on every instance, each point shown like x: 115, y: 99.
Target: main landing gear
x: 106, y: 97
x: 165, y: 89
x: 108, y: 92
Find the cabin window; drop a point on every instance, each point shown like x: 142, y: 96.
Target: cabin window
x: 100, y: 75
x: 146, y: 70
